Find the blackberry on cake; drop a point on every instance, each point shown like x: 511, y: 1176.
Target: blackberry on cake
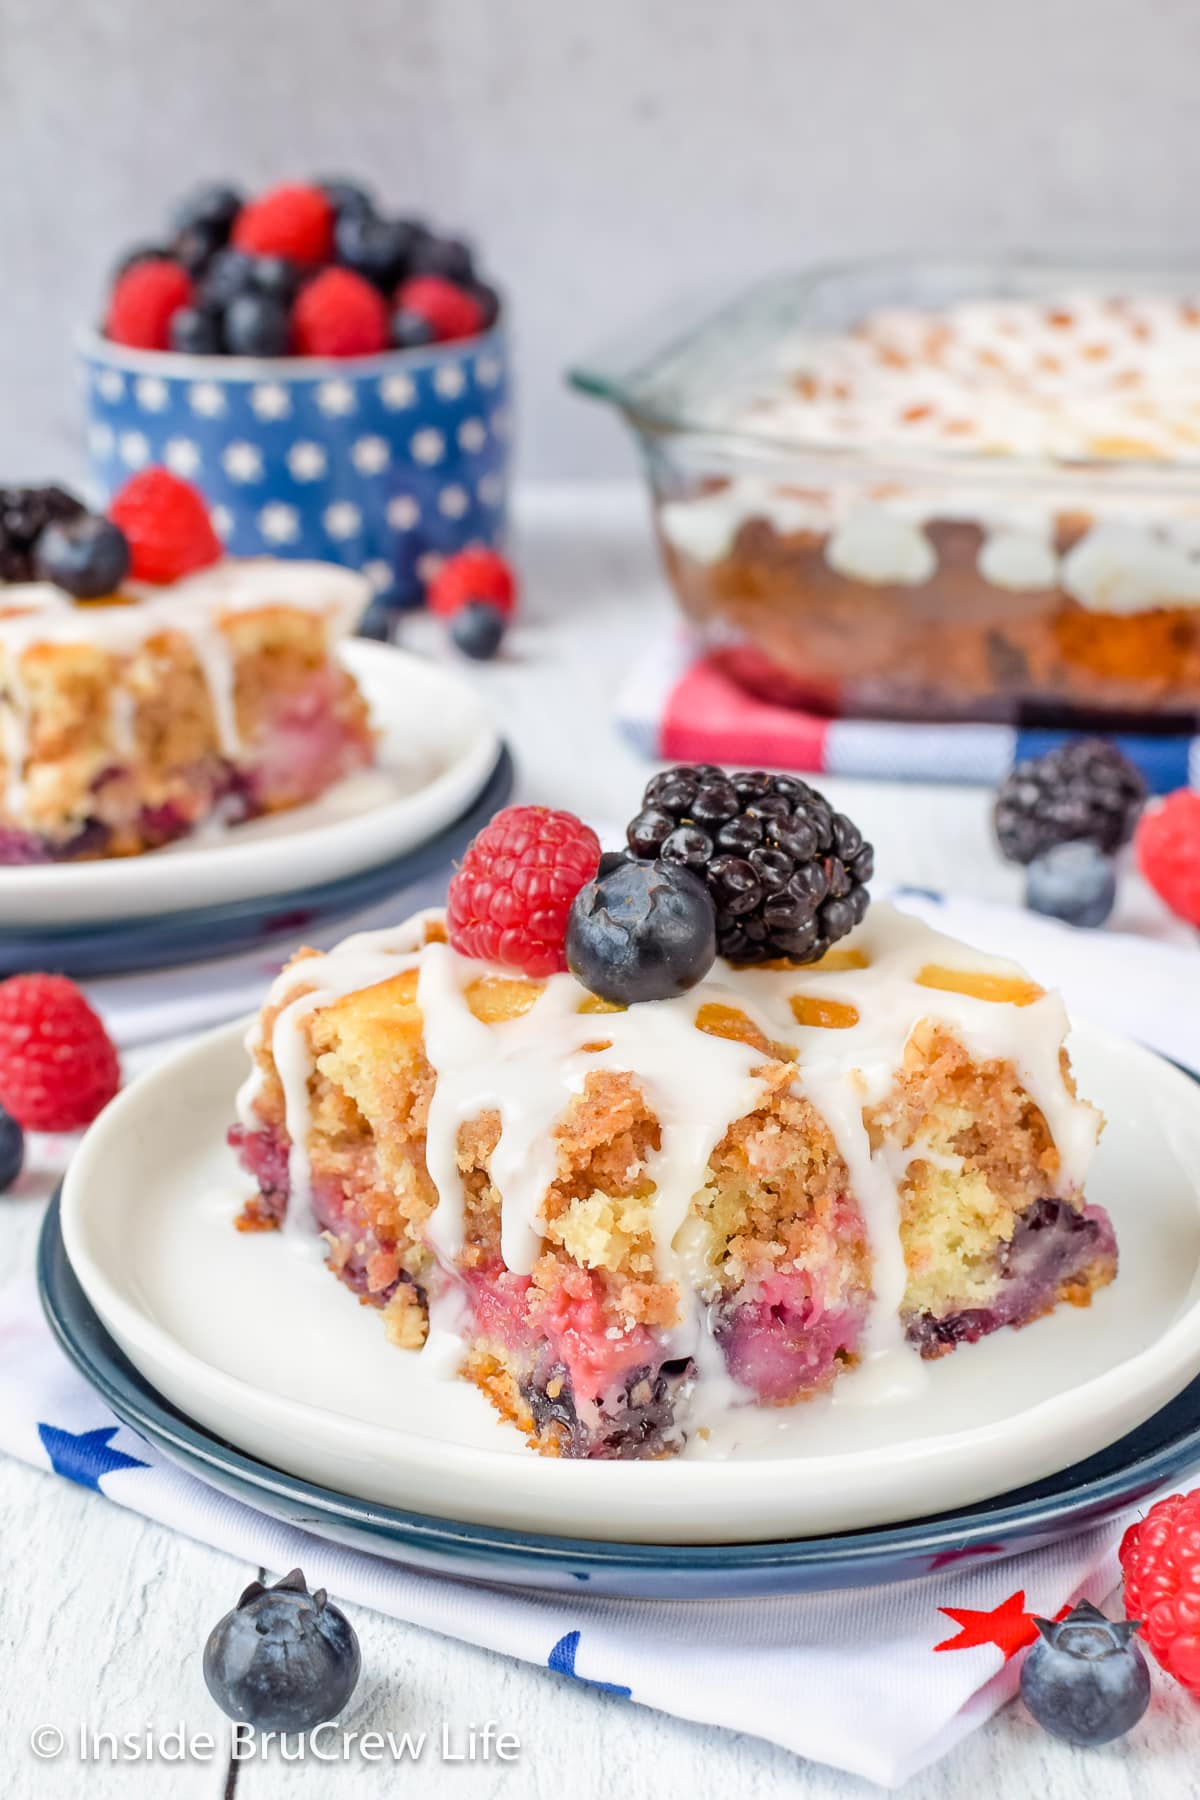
x: 786, y: 873
x: 1084, y: 791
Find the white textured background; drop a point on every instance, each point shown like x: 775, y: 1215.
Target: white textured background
x: 605, y: 154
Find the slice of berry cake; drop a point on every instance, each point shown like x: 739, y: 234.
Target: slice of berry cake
x: 149, y: 683
x: 634, y: 1195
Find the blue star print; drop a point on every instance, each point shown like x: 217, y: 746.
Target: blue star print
x: 86, y: 1457
x: 562, y: 1660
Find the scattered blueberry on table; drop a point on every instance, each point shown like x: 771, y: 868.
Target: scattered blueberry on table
x: 284, y: 1659
x: 477, y: 629
x: 376, y: 622
x: 1086, y: 1680
x: 475, y: 591
x: 1074, y: 882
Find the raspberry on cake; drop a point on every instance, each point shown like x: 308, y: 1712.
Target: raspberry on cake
x: 199, y: 686
x: 632, y: 1213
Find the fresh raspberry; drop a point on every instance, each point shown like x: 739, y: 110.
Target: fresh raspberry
x: 144, y: 300
x: 508, y: 902
x: 1168, y: 852
x: 339, y: 314
x: 1161, y: 1559
x: 167, y: 524
x: 475, y: 573
x: 57, y: 1063
x: 450, y: 310
x: 293, y: 221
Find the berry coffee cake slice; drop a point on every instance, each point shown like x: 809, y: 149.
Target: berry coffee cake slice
x: 149, y: 683
x: 657, y: 1184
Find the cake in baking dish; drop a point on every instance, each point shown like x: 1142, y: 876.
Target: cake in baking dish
x: 987, y: 509
x: 129, y: 717
x: 629, y: 1217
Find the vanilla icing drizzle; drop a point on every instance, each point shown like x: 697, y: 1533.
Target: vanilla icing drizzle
x: 528, y: 1068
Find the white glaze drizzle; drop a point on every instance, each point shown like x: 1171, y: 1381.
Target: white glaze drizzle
x: 527, y: 1069
x: 37, y: 613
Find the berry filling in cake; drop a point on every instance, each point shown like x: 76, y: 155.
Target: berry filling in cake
x: 640, y: 1192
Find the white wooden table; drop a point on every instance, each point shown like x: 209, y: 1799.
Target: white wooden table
x: 103, y: 1617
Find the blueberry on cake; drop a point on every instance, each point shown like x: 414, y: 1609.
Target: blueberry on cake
x: 149, y: 683
x: 638, y: 1163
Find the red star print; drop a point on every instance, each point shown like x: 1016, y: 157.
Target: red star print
x: 1008, y: 1626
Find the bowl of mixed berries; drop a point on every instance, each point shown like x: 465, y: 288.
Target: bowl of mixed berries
x: 333, y: 376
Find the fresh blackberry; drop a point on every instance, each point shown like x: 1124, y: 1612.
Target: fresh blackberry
x: 1085, y: 790
x: 24, y: 515
x: 786, y: 873
x: 214, y: 207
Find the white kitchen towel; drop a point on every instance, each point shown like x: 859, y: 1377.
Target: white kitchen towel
x: 879, y: 1682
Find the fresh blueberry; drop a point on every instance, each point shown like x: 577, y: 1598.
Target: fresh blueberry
x: 1074, y: 882
x: 283, y: 1659
x: 346, y: 196
x: 196, y: 331
x: 1086, y: 1680
x: 448, y: 257
x: 477, y: 630
x: 87, y: 555
x: 195, y: 248
x: 214, y: 206
x: 12, y: 1150
x: 376, y: 622
x: 229, y: 274
x: 375, y: 248
x: 257, y: 325
x: 641, y: 931
x: 276, y: 276
x: 410, y: 329
x: 489, y: 302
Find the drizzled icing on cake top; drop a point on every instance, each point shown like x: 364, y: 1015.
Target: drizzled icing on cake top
x: 528, y: 1068
x: 36, y: 613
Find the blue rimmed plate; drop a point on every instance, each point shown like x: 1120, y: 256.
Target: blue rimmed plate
x: 222, y: 929
x: 1070, y: 1501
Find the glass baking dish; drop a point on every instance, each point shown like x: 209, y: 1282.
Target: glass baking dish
x: 935, y: 489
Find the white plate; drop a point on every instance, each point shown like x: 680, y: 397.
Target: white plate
x: 256, y: 1340
x: 436, y: 748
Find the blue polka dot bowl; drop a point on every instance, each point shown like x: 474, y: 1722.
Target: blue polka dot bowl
x: 385, y: 463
